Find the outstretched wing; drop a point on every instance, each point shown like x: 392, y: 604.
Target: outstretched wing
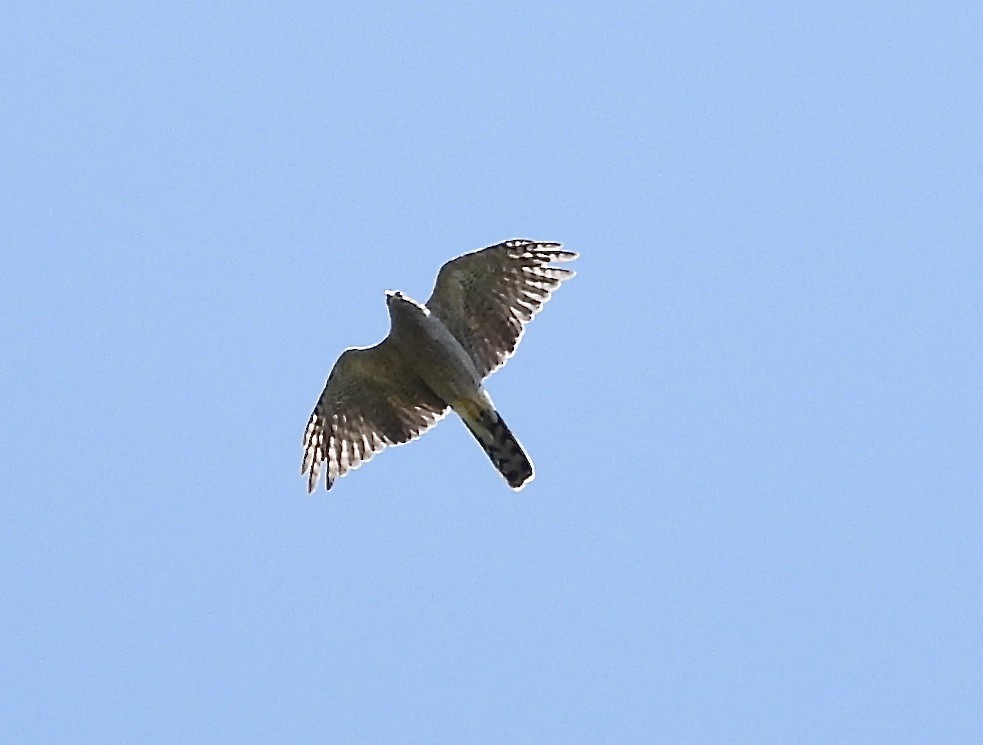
x: 371, y: 400
x: 486, y: 298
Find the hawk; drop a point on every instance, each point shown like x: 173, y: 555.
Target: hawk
x: 435, y: 357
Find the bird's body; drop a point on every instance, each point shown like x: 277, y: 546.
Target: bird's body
x: 433, y: 353
x: 436, y: 356
x: 442, y: 364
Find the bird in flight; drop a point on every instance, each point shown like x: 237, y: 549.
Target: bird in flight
x: 435, y: 357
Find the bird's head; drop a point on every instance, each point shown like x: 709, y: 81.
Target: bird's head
x: 397, y: 302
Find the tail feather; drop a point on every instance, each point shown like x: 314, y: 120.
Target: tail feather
x: 505, y: 452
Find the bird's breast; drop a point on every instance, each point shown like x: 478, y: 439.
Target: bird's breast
x: 439, y: 359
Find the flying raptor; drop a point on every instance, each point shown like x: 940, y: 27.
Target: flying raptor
x: 435, y: 357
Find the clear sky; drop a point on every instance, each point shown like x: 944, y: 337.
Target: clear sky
x: 756, y: 412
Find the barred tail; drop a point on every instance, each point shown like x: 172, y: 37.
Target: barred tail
x: 497, y: 440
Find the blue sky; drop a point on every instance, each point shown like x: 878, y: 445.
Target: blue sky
x: 755, y: 413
